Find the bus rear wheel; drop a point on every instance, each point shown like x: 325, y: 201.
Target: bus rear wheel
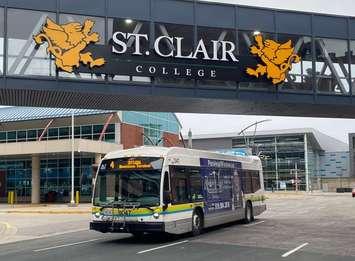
x: 197, y: 223
x: 249, y: 216
x: 137, y: 234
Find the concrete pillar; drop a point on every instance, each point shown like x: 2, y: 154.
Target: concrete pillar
x: 36, y: 178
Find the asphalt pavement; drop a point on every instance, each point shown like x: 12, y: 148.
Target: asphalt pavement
x: 94, y: 246
x: 309, y: 228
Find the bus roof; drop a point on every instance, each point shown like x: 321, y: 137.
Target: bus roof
x: 150, y: 151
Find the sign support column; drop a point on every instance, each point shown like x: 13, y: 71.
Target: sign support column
x: 306, y: 161
x: 72, y: 201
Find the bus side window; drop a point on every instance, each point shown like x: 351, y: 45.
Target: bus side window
x: 179, y: 185
x: 195, y: 184
x: 250, y: 181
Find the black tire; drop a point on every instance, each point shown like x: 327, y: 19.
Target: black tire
x: 197, y: 223
x: 248, y: 216
x: 137, y: 234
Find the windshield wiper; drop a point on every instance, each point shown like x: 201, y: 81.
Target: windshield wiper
x: 139, y: 205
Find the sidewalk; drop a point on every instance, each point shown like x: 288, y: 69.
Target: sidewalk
x: 302, y: 194
x: 45, y: 209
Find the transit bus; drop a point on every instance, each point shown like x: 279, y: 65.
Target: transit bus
x: 174, y: 190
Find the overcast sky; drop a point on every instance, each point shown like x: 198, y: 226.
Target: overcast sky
x: 339, y: 7
x: 338, y: 128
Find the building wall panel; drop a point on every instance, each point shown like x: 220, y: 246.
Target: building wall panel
x: 131, y: 136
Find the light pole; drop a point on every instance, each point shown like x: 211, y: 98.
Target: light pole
x: 72, y: 202
x: 255, y: 125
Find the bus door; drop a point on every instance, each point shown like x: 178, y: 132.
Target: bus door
x: 186, y: 184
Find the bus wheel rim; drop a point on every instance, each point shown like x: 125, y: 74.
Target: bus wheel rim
x: 196, y: 222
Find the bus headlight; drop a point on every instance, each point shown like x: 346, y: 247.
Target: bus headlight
x: 156, y: 215
x: 97, y: 214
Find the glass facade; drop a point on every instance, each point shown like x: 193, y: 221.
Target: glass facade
x: 55, y: 169
x: 128, y: 26
x: 154, y: 124
x: 55, y: 178
x: 91, y: 132
x: 283, y: 159
x: 327, y: 64
x: 99, y: 27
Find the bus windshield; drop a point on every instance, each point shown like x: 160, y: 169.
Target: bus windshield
x: 129, y: 181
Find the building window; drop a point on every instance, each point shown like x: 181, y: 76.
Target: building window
x: 208, y: 34
x: 31, y: 135
x: 246, y: 40
x: 300, y: 78
x: 352, y: 64
x: 91, y: 132
x: 1, y: 41
x: 11, y: 136
x: 24, y: 57
x: 21, y: 136
x: 86, y: 132
x: 99, y: 27
x: 129, y: 26
x: 332, y: 66
x: 64, y: 132
x: 174, y: 30
x: 53, y: 133
x: 2, y: 136
x: 154, y: 124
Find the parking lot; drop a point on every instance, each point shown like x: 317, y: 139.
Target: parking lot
x: 295, y: 227
x: 326, y: 222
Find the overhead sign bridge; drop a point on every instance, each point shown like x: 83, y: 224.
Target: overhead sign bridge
x: 165, y: 55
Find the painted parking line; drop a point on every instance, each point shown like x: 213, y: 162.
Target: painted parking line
x: 294, y: 250
x: 255, y: 223
x: 67, y: 245
x: 164, y: 246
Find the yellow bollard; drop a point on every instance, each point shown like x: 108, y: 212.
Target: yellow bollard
x: 77, y: 197
x: 10, y: 197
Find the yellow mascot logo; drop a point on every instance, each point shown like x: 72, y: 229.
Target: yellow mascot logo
x: 277, y: 59
x: 66, y: 42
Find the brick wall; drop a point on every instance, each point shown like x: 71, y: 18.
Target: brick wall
x: 131, y: 136
x: 171, y: 140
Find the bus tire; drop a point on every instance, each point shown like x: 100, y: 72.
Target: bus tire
x: 248, y: 216
x: 197, y: 223
x: 137, y: 234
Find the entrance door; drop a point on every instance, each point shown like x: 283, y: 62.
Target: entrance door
x: 2, y: 183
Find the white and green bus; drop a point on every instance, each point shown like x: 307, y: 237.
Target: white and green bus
x: 174, y: 190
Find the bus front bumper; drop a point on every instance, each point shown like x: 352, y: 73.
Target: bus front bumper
x: 127, y: 227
